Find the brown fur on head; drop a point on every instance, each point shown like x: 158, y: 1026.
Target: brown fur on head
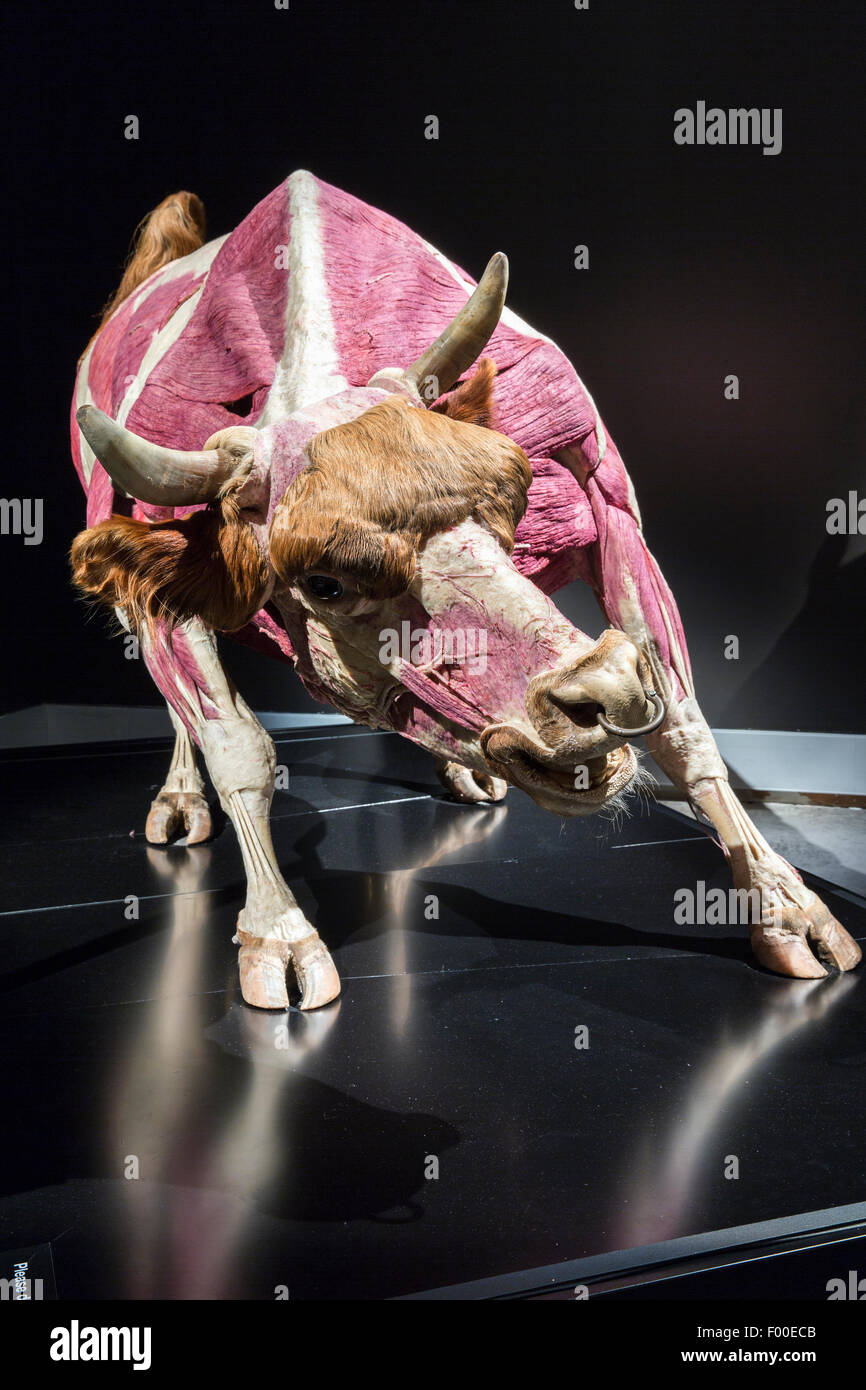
x: 206, y: 565
x: 380, y: 485
x: 375, y: 489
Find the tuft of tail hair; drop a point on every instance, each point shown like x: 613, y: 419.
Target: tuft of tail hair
x: 173, y: 229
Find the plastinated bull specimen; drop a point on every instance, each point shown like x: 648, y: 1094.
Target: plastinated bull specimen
x: 315, y: 434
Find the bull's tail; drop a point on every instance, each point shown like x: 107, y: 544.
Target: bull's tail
x: 173, y: 229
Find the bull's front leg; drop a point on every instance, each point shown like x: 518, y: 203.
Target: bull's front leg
x: 272, y: 931
x: 792, y: 931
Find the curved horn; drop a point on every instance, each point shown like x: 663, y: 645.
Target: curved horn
x: 466, y: 336
x: 151, y: 473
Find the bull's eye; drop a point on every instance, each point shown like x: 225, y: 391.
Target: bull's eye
x: 323, y: 586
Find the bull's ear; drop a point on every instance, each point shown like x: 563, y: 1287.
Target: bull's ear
x: 205, y: 565
x: 472, y: 401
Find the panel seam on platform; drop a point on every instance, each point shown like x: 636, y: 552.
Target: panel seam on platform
x: 290, y: 815
x: 677, y: 840
x: 397, y: 975
x: 117, y: 752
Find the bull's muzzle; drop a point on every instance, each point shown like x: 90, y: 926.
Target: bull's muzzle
x: 590, y: 705
x: 583, y: 714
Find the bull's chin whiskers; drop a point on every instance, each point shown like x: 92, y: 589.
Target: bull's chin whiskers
x: 639, y: 788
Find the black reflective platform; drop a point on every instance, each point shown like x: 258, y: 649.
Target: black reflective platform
x: 533, y: 1076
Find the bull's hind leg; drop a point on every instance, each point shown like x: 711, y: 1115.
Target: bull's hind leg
x: 272, y: 931
x: 469, y: 786
x: 180, y: 803
x: 792, y: 932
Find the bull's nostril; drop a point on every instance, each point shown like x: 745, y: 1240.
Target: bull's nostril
x: 583, y: 713
x: 658, y: 717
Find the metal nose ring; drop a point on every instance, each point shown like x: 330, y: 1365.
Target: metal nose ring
x: 645, y: 728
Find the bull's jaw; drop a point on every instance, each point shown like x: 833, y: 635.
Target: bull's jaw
x: 562, y: 790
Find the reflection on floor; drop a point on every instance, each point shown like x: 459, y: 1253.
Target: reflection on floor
x: 531, y: 1061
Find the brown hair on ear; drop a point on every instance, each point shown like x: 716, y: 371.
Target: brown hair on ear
x: 206, y: 565
x: 472, y: 401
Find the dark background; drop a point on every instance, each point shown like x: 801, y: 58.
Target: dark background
x: 556, y: 128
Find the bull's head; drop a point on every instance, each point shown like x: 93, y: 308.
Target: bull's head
x: 382, y: 532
